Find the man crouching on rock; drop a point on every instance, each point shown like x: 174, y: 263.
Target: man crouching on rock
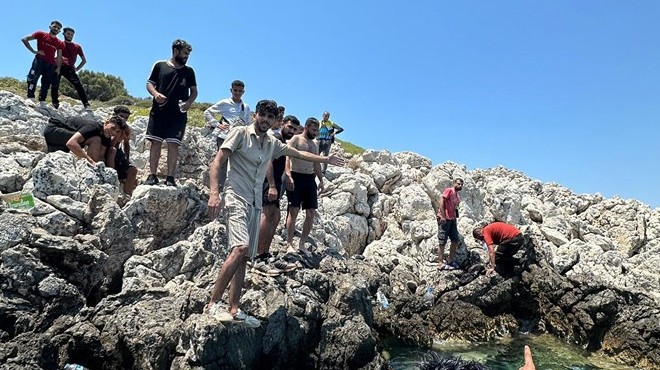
x: 503, y: 241
x: 248, y: 149
x: 76, y: 133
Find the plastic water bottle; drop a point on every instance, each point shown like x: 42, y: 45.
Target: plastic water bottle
x: 428, y: 296
x: 181, y: 104
x: 74, y: 367
x: 382, y: 299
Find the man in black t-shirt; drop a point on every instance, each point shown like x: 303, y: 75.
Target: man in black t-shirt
x: 75, y: 133
x: 174, y: 88
x: 272, y: 190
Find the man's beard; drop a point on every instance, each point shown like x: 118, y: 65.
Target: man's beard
x: 311, y: 136
x: 181, y: 60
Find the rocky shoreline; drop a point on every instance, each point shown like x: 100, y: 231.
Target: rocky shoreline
x: 91, y: 277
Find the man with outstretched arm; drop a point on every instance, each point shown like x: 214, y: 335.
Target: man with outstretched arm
x: 249, y: 150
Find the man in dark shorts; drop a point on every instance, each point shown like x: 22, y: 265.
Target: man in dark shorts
x: 76, y: 133
x: 272, y: 191
x: 503, y: 241
x: 174, y: 88
x: 301, y: 188
x: 126, y: 171
x: 447, y: 227
x: 47, y: 60
x: 69, y: 70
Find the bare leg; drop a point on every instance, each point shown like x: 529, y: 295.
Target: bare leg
x: 172, y: 158
x: 270, y: 217
x: 237, y: 286
x: 441, y: 254
x: 452, y: 251
x: 231, y: 266
x: 307, y: 227
x: 291, y: 227
x: 154, y: 156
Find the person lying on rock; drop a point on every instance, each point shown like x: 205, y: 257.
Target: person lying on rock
x: 503, y: 241
x: 75, y: 133
x: 249, y: 150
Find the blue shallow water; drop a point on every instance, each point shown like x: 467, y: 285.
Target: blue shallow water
x: 507, y: 354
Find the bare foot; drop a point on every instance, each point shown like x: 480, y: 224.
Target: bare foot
x: 304, y: 251
x: 290, y: 248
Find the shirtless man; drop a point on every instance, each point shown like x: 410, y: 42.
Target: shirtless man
x: 301, y: 184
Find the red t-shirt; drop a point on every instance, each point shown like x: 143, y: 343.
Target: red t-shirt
x: 451, y: 202
x: 498, y: 232
x: 49, y: 44
x: 70, y: 53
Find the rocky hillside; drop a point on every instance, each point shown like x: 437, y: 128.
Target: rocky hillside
x: 91, y: 277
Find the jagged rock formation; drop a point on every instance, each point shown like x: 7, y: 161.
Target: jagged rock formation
x: 86, y: 280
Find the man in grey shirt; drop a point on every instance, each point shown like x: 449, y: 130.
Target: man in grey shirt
x: 249, y: 150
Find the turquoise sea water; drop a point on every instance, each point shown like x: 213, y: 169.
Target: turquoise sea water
x: 549, y: 354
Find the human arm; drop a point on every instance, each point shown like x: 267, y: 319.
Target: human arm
x: 110, y: 155
x: 191, y: 99
x: 215, y: 200
x: 319, y: 175
x: 333, y: 159
x: 83, y: 60
x: 491, y: 259
x: 441, y: 210
x: 74, y: 146
x: 26, y: 41
x: 127, y: 147
x: 338, y: 130
x: 270, y: 178
x: 58, y: 61
x: 158, y: 97
x: 529, y: 361
x: 210, y: 114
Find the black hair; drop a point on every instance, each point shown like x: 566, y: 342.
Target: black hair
x: 237, y: 83
x: 293, y: 119
x: 179, y: 45
x: 66, y: 29
x: 121, y: 109
x: 118, y: 121
x: 267, y: 107
x: 312, y: 121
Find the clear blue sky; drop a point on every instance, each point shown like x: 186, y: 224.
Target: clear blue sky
x: 565, y: 91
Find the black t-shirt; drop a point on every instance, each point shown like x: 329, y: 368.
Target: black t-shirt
x: 278, y: 165
x: 88, y: 128
x: 174, y: 83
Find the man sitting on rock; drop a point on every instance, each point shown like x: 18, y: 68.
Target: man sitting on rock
x: 503, y: 241
x: 249, y: 150
x: 76, y: 133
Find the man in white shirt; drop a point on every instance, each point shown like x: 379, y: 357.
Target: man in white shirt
x: 227, y: 114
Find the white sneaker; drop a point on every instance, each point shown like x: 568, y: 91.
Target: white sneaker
x: 42, y: 104
x: 249, y: 321
x: 220, y: 313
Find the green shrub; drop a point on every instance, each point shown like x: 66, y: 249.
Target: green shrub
x: 98, y: 85
x: 13, y: 85
x: 121, y: 100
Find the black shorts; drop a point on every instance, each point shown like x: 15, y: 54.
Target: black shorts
x: 264, y: 198
x: 122, y: 164
x: 57, y: 137
x: 510, y: 247
x: 304, y: 192
x: 448, y: 230
x: 166, y: 125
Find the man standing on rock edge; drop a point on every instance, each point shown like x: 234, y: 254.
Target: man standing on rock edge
x: 447, y: 228
x: 47, y: 60
x: 503, y: 241
x: 249, y: 150
x: 69, y: 69
x: 272, y: 192
x: 301, y: 189
x: 174, y: 88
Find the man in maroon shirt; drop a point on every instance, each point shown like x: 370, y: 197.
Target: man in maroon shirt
x: 69, y: 69
x: 503, y: 241
x: 47, y: 60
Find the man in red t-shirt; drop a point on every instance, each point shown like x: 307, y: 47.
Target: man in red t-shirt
x: 502, y: 240
x: 69, y: 69
x: 447, y: 228
x: 47, y: 60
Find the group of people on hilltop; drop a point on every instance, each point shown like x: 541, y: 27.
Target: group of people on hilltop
x: 54, y: 59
